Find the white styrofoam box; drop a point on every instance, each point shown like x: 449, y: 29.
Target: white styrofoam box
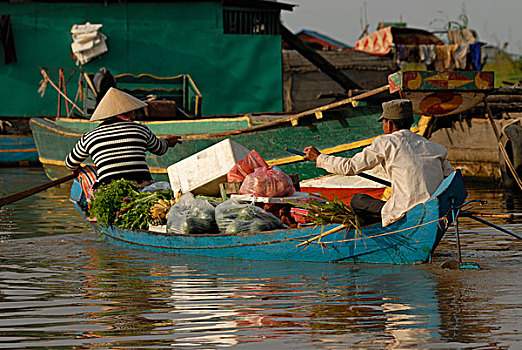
x: 202, y: 172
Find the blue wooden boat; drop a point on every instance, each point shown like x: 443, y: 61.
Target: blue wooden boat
x: 17, y: 149
x: 412, y: 239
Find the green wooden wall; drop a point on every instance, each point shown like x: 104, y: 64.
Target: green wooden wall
x: 235, y: 73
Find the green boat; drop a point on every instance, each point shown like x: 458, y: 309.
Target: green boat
x: 342, y: 127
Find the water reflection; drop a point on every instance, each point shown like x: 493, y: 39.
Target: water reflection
x: 42, y: 214
x: 60, y: 287
x: 74, y: 291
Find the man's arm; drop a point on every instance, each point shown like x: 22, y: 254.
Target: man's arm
x: 311, y: 153
x: 77, y: 155
x: 369, y: 158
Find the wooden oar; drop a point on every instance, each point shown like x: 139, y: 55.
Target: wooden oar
x: 16, y: 197
x: 485, y: 222
x: 321, y: 235
x: 508, y: 216
x: 366, y: 176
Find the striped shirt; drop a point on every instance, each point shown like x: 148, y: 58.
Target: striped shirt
x: 117, y: 148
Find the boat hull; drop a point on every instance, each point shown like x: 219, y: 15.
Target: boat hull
x: 342, y: 132
x: 17, y: 150
x: 412, y: 239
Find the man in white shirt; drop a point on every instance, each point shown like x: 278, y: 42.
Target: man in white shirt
x: 415, y: 166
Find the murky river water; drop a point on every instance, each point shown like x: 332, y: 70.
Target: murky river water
x: 61, y: 288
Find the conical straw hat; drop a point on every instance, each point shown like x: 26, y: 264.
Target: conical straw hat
x: 116, y: 102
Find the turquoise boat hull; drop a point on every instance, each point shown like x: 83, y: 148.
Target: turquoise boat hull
x: 410, y: 240
x: 17, y: 150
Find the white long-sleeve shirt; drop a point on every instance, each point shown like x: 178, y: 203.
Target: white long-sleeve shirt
x: 415, y: 166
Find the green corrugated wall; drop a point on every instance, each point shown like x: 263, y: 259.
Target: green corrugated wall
x: 235, y: 73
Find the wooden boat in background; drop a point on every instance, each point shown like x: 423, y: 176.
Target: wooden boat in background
x: 17, y: 150
x: 341, y: 128
x: 412, y: 239
x: 16, y: 142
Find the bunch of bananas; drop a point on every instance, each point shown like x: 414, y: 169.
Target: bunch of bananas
x: 161, y: 208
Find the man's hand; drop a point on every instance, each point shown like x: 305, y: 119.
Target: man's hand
x: 311, y: 153
x: 173, y: 140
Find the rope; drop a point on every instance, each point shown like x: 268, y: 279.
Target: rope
x: 43, y: 86
x: 382, y: 234
x: 503, y: 130
x: 501, y: 146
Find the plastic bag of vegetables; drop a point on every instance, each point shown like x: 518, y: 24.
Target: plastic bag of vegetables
x: 191, y: 216
x: 157, y: 186
x: 236, y: 217
x: 267, y: 182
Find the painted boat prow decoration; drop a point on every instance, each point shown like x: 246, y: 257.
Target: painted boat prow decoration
x: 443, y: 93
x: 412, y: 239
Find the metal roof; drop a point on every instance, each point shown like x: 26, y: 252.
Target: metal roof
x: 267, y: 4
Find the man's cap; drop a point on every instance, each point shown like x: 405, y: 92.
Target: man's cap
x: 397, y: 109
x: 116, y: 102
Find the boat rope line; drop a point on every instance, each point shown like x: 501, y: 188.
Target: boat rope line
x: 381, y: 234
x: 293, y: 119
x: 323, y: 244
x: 420, y: 129
x: 196, y: 247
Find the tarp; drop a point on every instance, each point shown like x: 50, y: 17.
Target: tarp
x: 381, y: 41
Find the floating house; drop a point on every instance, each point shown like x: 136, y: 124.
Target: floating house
x: 230, y: 48
x: 320, y: 41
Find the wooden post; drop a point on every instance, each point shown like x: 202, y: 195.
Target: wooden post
x: 501, y: 146
x: 318, y: 60
x: 59, y: 112
x: 46, y: 76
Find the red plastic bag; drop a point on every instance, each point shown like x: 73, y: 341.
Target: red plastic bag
x: 267, y: 182
x: 246, y: 166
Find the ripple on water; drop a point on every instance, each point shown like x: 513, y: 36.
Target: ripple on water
x: 62, y: 288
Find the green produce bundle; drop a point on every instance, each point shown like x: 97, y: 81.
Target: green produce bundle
x: 121, y: 203
x: 324, y: 211
x: 233, y: 216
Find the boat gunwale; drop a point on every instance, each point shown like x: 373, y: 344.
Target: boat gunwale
x: 292, y: 119
x: 101, y: 227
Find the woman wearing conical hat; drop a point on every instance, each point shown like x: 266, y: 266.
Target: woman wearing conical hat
x: 117, y: 146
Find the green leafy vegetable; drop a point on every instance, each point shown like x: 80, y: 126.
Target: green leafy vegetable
x: 326, y: 211
x: 108, y: 200
x: 120, y: 203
